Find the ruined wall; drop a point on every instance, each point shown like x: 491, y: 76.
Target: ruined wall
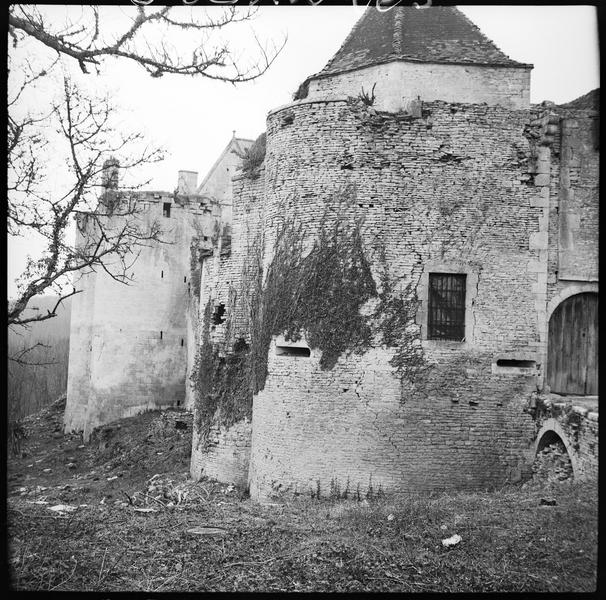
x: 134, y: 336
x: 226, y: 279
x: 577, y: 427
x: 397, y: 83
x: 226, y: 455
x: 450, y: 190
x: 574, y: 206
x: 192, y: 319
x: 578, y: 209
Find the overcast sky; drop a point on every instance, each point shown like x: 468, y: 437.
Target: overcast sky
x: 193, y: 118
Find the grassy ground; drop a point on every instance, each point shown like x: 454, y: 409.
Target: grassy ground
x: 140, y: 524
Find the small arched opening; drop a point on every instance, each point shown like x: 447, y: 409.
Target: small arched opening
x: 552, y: 463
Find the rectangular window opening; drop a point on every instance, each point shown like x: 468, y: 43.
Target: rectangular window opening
x: 184, y: 279
x: 162, y: 274
x: 292, y: 351
x: 446, y: 307
x: 512, y: 362
x: 166, y: 209
x: 161, y: 333
x: 181, y: 341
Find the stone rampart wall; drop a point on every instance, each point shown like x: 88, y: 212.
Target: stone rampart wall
x: 454, y: 189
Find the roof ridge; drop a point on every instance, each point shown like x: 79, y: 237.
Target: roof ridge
x: 397, y: 33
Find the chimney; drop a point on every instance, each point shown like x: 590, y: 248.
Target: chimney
x: 110, y: 176
x: 187, y: 183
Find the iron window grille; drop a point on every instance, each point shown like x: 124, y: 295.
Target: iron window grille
x: 446, y: 307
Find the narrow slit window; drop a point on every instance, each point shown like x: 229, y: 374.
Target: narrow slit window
x: 446, y: 307
x: 515, y: 363
x: 292, y: 351
x: 185, y: 279
x: 161, y: 334
x: 162, y: 274
x: 181, y: 341
x: 166, y: 209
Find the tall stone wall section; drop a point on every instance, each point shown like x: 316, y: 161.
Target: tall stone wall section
x: 134, y: 337
x: 80, y: 341
x: 448, y: 191
x: 226, y: 279
x: 574, y: 206
x: 579, y: 201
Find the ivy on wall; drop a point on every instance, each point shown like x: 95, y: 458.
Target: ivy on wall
x: 316, y: 285
x: 253, y: 157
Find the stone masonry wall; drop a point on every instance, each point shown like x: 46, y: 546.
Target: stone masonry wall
x: 227, y: 453
x: 574, y: 207
x: 134, y: 336
x: 80, y: 346
x: 450, y: 189
x: 227, y: 456
x: 397, y: 83
x: 577, y: 427
x: 578, y: 208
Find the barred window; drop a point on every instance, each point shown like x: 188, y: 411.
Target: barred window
x: 446, y: 307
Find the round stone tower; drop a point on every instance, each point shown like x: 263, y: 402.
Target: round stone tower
x: 415, y: 132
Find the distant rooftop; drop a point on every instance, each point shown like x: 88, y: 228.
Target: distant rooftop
x: 235, y: 143
x: 440, y: 34
x: 589, y: 101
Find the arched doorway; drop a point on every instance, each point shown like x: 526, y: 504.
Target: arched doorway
x: 572, y: 362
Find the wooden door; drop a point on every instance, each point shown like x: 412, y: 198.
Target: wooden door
x: 572, y: 364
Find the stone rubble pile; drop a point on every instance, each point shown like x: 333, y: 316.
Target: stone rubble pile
x: 552, y: 464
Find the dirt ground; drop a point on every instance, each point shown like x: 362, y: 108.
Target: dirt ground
x: 70, y: 471
x: 121, y: 514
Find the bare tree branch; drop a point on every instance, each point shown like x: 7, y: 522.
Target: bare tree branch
x: 18, y: 358
x: 108, y: 221
x: 134, y: 43
x: 113, y: 232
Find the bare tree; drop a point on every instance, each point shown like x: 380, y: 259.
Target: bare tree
x: 144, y: 41
x: 84, y: 133
x: 82, y: 130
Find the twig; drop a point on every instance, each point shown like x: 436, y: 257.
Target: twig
x: 395, y: 578
x: 263, y: 562
x: 65, y: 580
x: 167, y: 580
x: 155, y: 500
x: 45, y: 517
x: 102, y: 565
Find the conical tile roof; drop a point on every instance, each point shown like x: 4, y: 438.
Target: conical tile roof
x: 439, y: 34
